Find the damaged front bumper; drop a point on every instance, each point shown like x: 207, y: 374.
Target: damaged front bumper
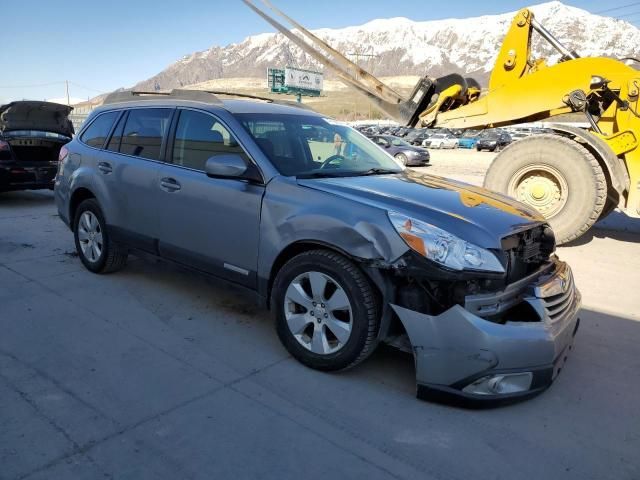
x: 460, y: 356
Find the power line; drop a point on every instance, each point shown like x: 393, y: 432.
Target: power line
x: 34, y: 85
x: 618, y: 8
x: 86, y: 88
x: 630, y: 14
x: 49, y: 84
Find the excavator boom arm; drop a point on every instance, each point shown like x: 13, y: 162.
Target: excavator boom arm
x: 403, y: 109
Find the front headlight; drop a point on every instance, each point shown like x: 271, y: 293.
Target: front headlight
x: 442, y: 247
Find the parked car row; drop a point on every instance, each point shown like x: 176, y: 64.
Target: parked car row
x: 493, y: 139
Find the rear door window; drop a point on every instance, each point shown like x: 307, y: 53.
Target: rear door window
x: 143, y: 132
x: 96, y: 134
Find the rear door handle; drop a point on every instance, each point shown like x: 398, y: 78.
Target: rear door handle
x: 170, y: 184
x: 105, y: 167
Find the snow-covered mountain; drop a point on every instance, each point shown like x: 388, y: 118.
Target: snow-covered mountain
x: 404, y: 47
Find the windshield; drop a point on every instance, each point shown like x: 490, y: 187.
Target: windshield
x: 301, y: 145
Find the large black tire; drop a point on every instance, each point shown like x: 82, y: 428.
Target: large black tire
x: 365, y: 318
x: 575, y: 169
x: 112, y: 257
x: 611, y: 204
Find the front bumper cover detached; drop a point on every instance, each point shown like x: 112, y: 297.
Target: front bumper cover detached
x: 462, y: 358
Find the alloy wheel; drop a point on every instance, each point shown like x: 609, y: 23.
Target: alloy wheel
x: 90, y: 236
x: 318, y: 312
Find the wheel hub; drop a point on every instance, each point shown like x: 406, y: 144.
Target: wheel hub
x: 318, y: 312
x: 538, y: 191
x: 90, y: 236
x: 541, y: 186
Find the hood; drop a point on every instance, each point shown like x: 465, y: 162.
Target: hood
x: 32, y: 115
x: 474, y: 214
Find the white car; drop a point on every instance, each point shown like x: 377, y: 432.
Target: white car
x: 440, y: 140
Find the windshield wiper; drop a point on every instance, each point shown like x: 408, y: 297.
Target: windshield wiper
x: 327, y: 174
x: 334, y: 174
x: 376, y: 171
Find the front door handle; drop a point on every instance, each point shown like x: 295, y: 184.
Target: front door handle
x: 105, y: 167
x: 170, y: 184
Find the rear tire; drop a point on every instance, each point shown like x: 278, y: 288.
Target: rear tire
x: 93, y: 243
x: 304, y: 309
x: 555, y: 175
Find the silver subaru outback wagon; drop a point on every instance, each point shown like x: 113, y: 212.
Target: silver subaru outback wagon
x: 345, y: 246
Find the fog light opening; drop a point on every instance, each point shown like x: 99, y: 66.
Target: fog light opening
x: 500, y: 384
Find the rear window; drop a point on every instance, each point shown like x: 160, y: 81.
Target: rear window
x: 97, y: 132
x: 144, y: 131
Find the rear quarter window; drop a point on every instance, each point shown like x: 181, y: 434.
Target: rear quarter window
x: 96, y: 133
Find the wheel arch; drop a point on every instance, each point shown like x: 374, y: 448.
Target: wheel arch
x: 301, y: 246
x: 77, y: 197
x: 612, y: 166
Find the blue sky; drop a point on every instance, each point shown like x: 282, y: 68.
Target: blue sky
x: 102, y: 46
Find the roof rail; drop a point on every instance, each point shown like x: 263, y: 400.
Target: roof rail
x: 135, y: 95
x: 289, y: 103
x: 204, y: 96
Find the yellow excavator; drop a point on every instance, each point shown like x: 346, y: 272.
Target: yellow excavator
x: 573, y: 176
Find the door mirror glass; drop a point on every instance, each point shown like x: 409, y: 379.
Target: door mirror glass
x: 228, y: 165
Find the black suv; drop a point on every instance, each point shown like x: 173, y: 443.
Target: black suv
x: 493, y: 141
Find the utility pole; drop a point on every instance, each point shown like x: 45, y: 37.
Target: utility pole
x: 67, y: 85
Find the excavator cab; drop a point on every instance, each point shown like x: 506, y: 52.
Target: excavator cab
x: 449, y: 92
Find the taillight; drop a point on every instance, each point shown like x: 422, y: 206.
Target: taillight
x: 63, y: 154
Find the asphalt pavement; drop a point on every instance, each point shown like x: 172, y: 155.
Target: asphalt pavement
x: 157, y: 373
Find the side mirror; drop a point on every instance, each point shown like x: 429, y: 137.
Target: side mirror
x: 227, y: 165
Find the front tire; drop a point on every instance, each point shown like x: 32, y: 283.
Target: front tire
x: 555, y: 175
x: 327, y: 313
x: 93, y: 243
x: 402, y: 158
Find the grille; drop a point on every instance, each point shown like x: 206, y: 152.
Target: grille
x: 557, y: 305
